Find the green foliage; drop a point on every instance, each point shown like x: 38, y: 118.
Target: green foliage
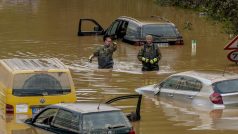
x: 225, y: 11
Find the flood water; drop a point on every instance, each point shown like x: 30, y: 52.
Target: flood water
x: 48, y: 28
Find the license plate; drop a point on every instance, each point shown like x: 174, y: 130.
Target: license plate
x: 36, y: 110
x: 21, y: 108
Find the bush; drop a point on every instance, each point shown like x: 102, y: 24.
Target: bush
x: 225, y: 11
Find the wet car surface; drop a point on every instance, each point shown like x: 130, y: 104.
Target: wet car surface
x: 134, y: 30
x: 209, y: 89
x: 82, y: 118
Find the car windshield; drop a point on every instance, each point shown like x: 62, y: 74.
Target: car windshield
x: 39, y: 84
x: 159, y: 30
x: 227, y: 86
x: 100, y: 121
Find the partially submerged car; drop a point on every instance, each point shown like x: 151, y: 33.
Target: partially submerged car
x: 134, y: 30
x: 84, y: 118
x: 32, y: 84
x: 207, y: 89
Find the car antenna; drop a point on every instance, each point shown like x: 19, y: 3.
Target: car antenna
x: 224, y: 71
x: 99, y: 104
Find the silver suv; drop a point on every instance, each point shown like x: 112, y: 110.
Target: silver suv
x: 134, y: 30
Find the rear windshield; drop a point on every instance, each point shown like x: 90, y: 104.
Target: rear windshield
x: 104, y: 121
x: 159, y: 30
x: 228, y: 86
x: 39, y: 84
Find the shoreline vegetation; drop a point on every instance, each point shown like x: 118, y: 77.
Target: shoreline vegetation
x: 225, y: 11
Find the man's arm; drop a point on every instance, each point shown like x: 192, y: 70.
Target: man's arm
x: 159, y: 54
x: 113, y: 47
x: 95, y: 54
x: 140, y: 54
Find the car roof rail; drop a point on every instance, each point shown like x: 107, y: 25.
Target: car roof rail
x: 161, y: 18
x: 126, y: 17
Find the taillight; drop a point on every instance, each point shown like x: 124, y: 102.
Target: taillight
x: 179, y: 42
x: 9, y: 109
x: 132, y: 131
x: 216, y: 98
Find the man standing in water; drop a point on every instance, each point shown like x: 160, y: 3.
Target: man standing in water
x: 149, y: 55
x: 104, y: 54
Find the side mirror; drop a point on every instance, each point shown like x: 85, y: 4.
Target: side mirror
x: 29, y: 121
x: 157, y: 88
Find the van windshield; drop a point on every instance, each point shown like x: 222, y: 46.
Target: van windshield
x: 41, y: 84
x: 161, y: 30
x: 227, y: 86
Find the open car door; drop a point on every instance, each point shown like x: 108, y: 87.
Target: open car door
x: 133, y: 116
x: 89, y: 27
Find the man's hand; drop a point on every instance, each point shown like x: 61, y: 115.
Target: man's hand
x: 114, y: 43
x: 152, y: 61
x: 145, y: 59
x: 90, y: 59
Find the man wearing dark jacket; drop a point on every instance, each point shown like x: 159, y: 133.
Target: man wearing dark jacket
x: 104, y: 54
x: 149, y: 55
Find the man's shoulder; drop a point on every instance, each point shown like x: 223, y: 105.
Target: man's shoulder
x: 100, y: 47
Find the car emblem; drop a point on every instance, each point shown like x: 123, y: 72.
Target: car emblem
x: 109, y: 132
x: 42, y: 100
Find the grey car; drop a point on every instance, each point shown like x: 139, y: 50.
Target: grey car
x: 202, y: 89
x: 134, y: 30
x: 86, y: 118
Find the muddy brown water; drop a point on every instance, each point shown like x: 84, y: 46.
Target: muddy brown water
x: 48, y: 28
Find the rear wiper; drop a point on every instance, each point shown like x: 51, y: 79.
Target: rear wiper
x: 57, y: 91
x: 31, y: 93
x: 116, y: 126
x: 161, y: 35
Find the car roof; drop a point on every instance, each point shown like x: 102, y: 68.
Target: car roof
x: 209, y: 75
x: 87, y: 107
x: 147, y: 20
x: 33, y: 64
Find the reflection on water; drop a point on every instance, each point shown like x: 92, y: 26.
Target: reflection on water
x: 197, y: 118
x: 45, y: 29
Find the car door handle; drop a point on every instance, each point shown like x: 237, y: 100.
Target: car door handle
x: 190, y: 97
x: 170, y: 95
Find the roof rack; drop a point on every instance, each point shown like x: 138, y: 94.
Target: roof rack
x: 159, y: 17
x: 126, y: 17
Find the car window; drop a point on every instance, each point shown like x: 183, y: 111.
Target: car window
x: 46, y: 117
x: 189, y: 84
x: 113, y: 28
x: 172, y: 82
x: 133, y: 31
x: 33, y: 84
x: 226, y: 86
x: 67, y: 120
x: 122, y: 29
x: 104, y: 120
x: 159, y: 30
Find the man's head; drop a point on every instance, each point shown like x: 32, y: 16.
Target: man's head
x: 148, y: 39
x: 107, y: 40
